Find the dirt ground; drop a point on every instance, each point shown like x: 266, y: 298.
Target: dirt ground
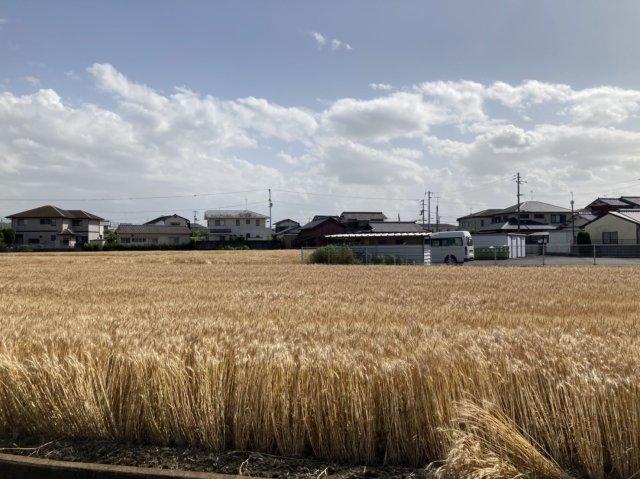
x: 245, y: 463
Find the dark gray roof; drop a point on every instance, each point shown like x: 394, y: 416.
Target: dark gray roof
x: 395, y: 227
x: 363, y: 216
x: 324, y: 217
x: 525, y: 207
x: 153, y: 229
x: 536, y: 207
x: 294, y: 230
x: 49, y: 211
x: 166, y: 217
x: 610, y: 202
x: 287, y: 220
x: 313, y: 224
x: 481, y: 214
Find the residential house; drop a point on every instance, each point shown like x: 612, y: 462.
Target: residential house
x: 615, y: 227
x: 170, y: 220
x: 289, y: 237
x: 314, y: 232
x: 533, y: 216
x: 358, y: 220
x: 152, y: 234
x: 225, y: 225
x: 285, y: 225
x: 53, y: 227
x: 601, y: 206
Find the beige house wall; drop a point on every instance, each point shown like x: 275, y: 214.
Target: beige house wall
x: 627, y: 230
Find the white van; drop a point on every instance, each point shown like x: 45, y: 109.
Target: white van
x: 451, y: 247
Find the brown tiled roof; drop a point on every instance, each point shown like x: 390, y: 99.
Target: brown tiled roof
x: 50, y: 211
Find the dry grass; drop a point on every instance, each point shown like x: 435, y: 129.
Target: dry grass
x: 496, y: 371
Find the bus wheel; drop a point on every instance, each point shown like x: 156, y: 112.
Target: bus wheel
x: 450, y: 259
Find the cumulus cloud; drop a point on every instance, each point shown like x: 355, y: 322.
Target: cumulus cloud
x: 440, y: 135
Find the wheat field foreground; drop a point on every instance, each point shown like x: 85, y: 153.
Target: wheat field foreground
x: 486, y: 372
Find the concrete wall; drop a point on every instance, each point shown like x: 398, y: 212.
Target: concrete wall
x: 627, y: 231
x: 153, y: 239
x: 256, y: 229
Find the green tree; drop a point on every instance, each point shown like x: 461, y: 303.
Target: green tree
x: 583, y: 237
x: 110, y: 237
x: 9, y: 236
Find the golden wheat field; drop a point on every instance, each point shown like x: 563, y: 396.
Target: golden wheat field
x: 484, y: 372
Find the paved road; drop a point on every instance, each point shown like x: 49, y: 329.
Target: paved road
x: 560, y: 261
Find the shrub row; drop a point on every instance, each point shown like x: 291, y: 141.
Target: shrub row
x: 501, y: 252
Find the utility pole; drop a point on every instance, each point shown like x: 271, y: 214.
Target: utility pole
x: 195, y: 216
x: 422, y: 211
x: 437, y: 214
x: 270, y: 206
x: 429, y: 210
x: 519, y: 181
x: 573, y: 222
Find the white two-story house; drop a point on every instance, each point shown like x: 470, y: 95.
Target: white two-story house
x: 52, y: 227
x: 227, y: 225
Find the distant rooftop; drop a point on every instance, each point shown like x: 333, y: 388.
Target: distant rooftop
x: 215, y: 214
x: 525, y: 207
x: 50, y: 211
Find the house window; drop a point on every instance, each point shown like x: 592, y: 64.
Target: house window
x: 21, y: 222
x: 257, y: 222
x: 248, y: 222
x: 495, y: 219
x: 76, y: 222
x: 610, y: 237
x: 248, y: 235
x: 555, y: 218
x: 538, y: 216
x: 174, y: 223
x: 53, y: 237
x: 34, y: 240
x: 481, y: 222
x: 216, y: 222
x: 237, y: 222
x: 524, y: 216
x: 45, y: 221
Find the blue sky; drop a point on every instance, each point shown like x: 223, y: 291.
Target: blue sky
x: 361, y: 98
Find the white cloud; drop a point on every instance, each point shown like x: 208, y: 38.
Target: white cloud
x: 319, y: 38
x: 71, y: 75
x: 439, y: 135
x: 398, y: 115
x: 339, y: 45
x: 31, y: 80
x: 380, y: 86
x: 334, y: 43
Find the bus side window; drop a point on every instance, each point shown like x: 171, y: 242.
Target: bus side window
x: 435, y: 242
x: 457, y: 241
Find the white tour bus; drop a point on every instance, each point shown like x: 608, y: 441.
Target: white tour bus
x: 451, y: 247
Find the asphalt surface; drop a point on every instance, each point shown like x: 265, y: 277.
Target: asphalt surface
x: 534, y: 260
